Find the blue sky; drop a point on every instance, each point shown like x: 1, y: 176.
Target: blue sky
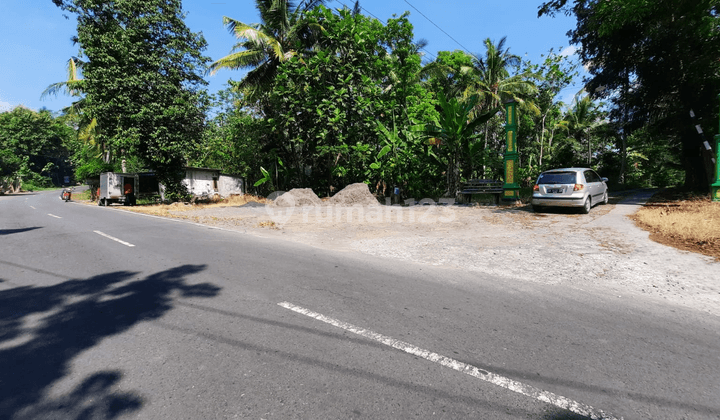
x: 35, y: 37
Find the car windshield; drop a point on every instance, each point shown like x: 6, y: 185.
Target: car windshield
x: 557, y: 178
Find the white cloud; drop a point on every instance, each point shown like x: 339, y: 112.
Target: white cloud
x: 5, y: 106
x: 568, y: 51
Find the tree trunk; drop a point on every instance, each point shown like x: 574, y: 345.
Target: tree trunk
x: 589, y: 139
x: 623, y: 157
x: 696, y: 177
x: 452, y: 175
x: 623, y: 138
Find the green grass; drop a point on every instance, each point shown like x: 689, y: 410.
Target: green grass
x: 82, y: 195
x: 32, y: 188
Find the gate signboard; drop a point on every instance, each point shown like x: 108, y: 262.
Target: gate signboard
x: 511, y: 188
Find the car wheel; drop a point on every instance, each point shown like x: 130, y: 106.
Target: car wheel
x: 605, y: 198
x: 587, y: 206
x: 537, y: 209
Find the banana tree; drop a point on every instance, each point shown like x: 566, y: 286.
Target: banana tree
x: 455, y: 132
x: 397, y: 152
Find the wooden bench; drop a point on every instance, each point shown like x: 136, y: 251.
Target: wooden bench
x: 481, y: 186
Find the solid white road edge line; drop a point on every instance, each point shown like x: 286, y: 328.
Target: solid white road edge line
x: 52, y: 215
x: 113, y: 238
x: 515, y: 386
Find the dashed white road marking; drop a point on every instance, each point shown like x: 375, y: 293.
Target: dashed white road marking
x: 33, y: 208
x: 52, y: 215
x: 113, y: 238
x: 515, y: 386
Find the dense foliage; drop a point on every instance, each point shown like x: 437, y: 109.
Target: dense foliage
x: 32, y: 149
x: 143, y: 81
x: 334, y: 97
x: 657, y: 61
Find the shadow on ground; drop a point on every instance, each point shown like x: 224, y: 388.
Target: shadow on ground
x: 21, y: 230
x: 43, y: 328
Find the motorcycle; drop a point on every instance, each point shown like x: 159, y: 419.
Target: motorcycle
x: 66, y: 194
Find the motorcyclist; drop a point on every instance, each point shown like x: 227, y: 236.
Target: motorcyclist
x: 66, y: 194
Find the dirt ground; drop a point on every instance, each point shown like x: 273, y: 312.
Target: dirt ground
x: 603, y: 250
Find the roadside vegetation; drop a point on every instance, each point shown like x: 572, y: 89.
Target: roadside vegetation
x: 333, y: 97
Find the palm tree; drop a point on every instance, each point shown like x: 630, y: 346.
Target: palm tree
x: 74, y: 86
x: 494, y: 83
x: 263, y: 46
x: 582, y: 119
x: 452, y: 73
x: 492, y: 76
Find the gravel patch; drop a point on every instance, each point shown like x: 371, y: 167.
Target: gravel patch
x: 603, y: 250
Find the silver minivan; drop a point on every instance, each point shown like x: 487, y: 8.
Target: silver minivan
x: 569, y: 187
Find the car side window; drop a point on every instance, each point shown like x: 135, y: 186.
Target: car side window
x: 588, y: 176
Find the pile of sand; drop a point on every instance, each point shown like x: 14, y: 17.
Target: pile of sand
x: 354, y: 194
x: 298, y: 197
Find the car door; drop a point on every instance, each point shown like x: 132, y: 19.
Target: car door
x: 592, y: 181
x: 601, y: 186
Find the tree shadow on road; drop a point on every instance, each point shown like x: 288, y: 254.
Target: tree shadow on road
x: 43, y: 328
x: 11, y: 231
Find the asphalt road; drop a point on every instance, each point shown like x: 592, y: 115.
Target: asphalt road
x: 110, y: 314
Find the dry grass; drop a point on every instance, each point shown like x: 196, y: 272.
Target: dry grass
x: 683, y: 221
x: 171, y: 210
x: 267, y: 224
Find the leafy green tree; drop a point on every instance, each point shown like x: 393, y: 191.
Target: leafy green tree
x: 32, y: 149
x: 143, y: 80
x: 283, y: 32
x: 537, y: 131
x: 657, y: 61
x: 229, y: 142
x: 325, y: 103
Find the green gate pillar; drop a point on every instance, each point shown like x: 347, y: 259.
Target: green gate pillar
x: 715, y: 188
x: 511, y: 188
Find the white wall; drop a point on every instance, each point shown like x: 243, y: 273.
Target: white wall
x: 229, y: 185
x: 199, y: 182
